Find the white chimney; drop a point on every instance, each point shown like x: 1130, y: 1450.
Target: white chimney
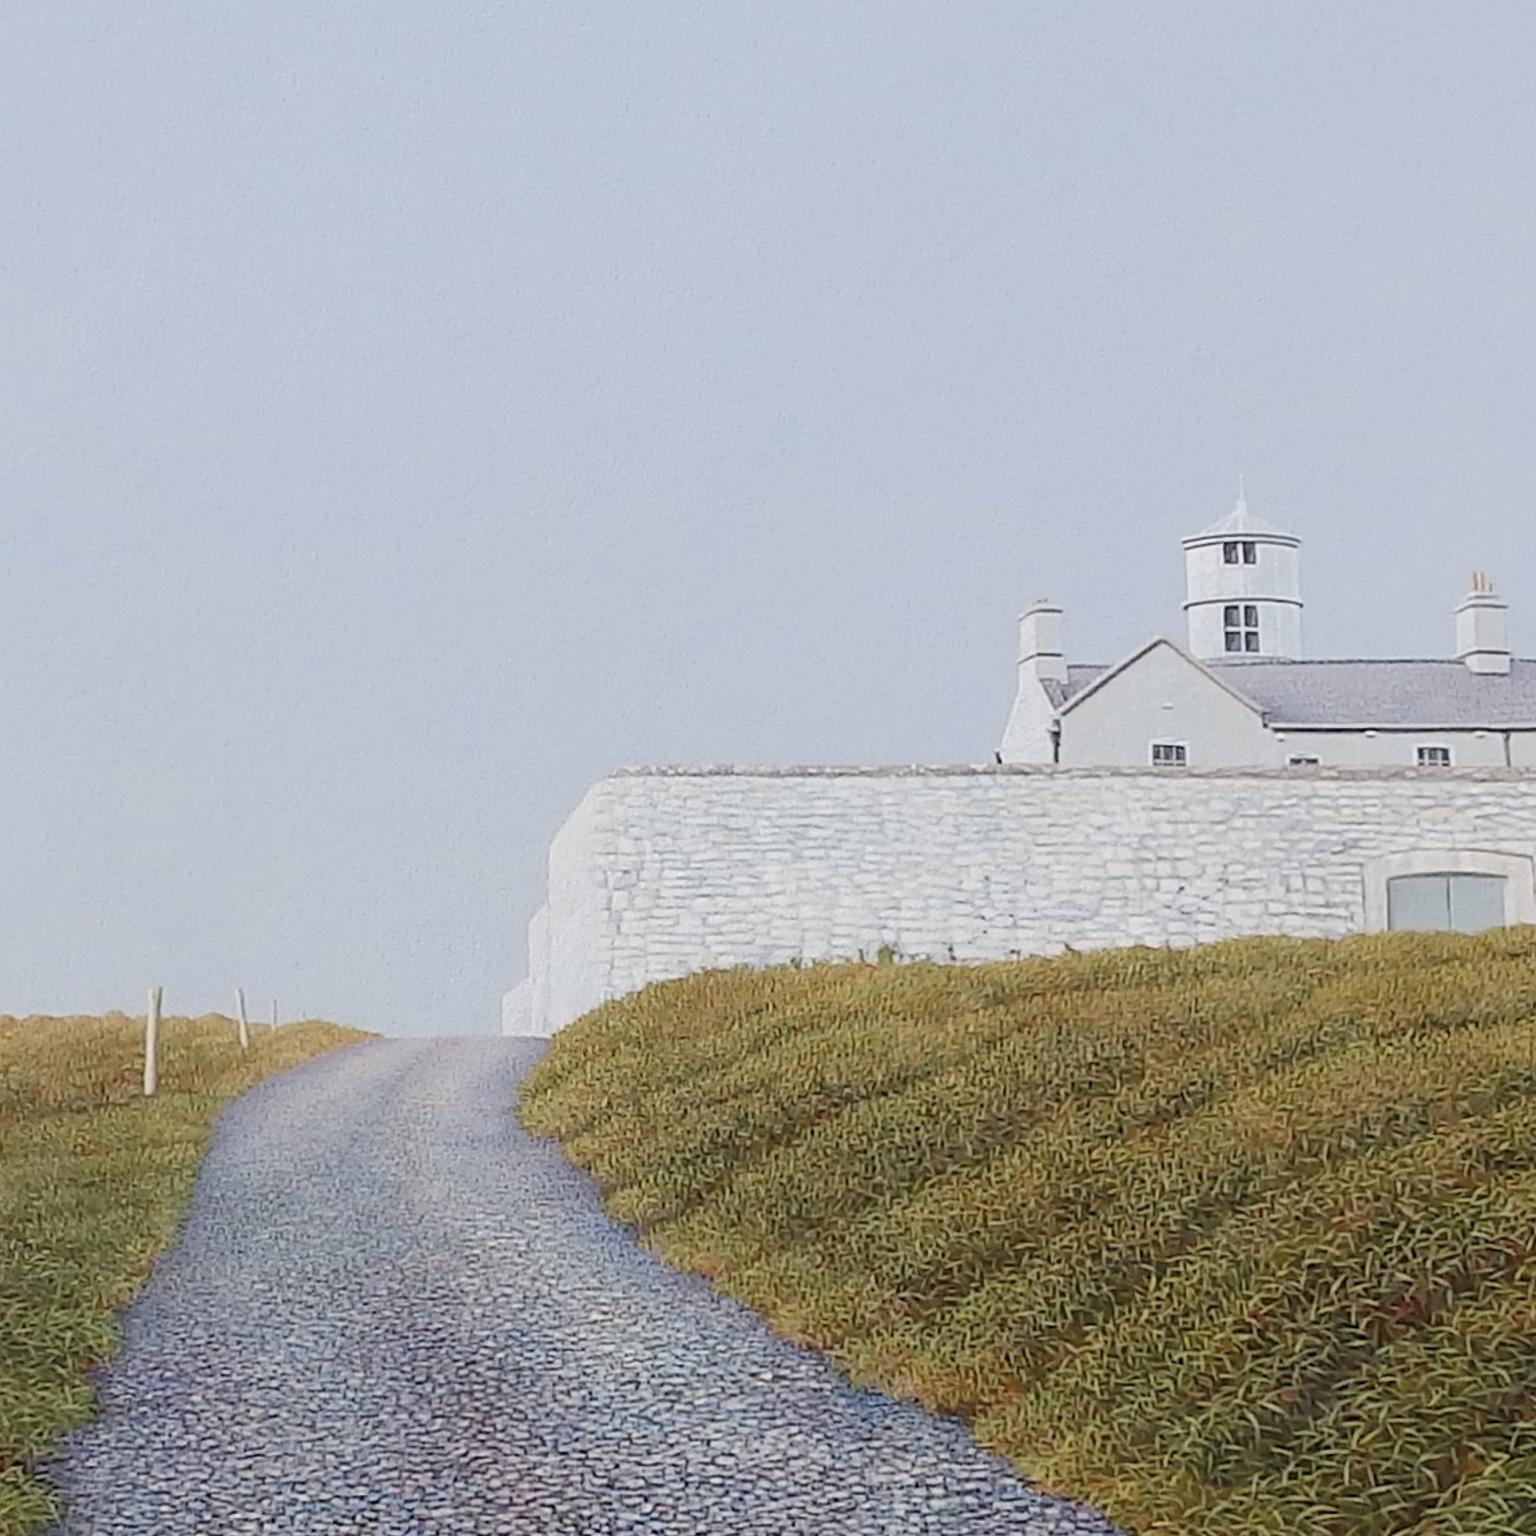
x: 1040, y: 651
x: 1482, y: 628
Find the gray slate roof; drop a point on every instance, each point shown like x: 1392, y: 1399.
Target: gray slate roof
x: 1365, y: 692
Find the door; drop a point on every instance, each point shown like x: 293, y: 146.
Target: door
x: 1458, y: 903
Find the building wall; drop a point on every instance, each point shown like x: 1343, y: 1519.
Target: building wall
x: 1163, y: 697
x: 1398, y: 748
x: 517, y: 1009
x: 1027, y: 735
x: 660, y: 872
x: 1273, y: 582
x: 538, y: 972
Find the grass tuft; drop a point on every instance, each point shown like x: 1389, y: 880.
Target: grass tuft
x: 1230, y: 1240
x: 94, y: 1179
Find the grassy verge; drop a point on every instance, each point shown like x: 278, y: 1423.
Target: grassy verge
x: 94, y: 1179
x: 1237, y: 1240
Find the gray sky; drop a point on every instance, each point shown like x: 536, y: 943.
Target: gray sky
x: 412, y: 413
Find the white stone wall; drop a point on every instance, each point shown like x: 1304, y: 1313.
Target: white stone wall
x: 660, y: 872
x: 538, y: 972
x: 517, y: 1009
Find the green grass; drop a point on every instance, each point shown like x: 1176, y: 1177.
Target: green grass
x: 1237, y: 1240
x: 94, y: 1179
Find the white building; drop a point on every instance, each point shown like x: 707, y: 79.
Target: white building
x: 1184, y: 794
x: 1241, y: 692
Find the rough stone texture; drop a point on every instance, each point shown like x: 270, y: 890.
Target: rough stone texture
x: 660, y: 872
x: 394, y: 1312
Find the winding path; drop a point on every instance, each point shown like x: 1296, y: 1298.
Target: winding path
x: 393, y: 1312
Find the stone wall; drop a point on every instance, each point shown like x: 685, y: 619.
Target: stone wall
x: 660, y: 872
x: 517, y: 1009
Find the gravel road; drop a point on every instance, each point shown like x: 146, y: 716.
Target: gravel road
x: 393, y: 1311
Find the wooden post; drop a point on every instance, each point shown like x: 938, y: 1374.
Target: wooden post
x: 152, y: 1044
x: 245, y: 1028
x: 274, y: 1013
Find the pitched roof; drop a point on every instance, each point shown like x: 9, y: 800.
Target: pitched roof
x: 1240, y: 520
x: 1363, y: 692
x: 1105, y: 673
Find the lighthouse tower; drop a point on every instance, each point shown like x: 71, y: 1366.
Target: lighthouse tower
x: 1243, y: 588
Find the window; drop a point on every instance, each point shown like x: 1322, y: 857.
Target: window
x: 1240, y: 623
x: 1229, y: 552
x: 1250, y: 552
x: 1302, y: 760
x: 1169, y: 754
x: 1434, y: 757
x: 1460, y: 903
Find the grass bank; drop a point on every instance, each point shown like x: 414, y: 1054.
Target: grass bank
x: 94, y: 1179
x: 1237, y: 1240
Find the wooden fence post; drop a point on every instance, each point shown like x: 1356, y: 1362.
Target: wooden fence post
x: 152, y: 1044
x: 245, y: 1028
x: 274, y: 1013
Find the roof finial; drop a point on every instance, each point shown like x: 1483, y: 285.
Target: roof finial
x: 1242, y: 493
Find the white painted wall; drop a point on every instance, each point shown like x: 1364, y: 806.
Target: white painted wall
x: 538, y: 972
x: 1160, y: 696
x: 1027, y: 735
x: 1272, y: 584
x: 660, y: 872
x: 1399, y: 748
x: 1163, y: 697
x: 517, y: 1009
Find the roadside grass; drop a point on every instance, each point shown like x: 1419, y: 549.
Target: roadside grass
x: 94, y: 1179
x: 1234, y: 1240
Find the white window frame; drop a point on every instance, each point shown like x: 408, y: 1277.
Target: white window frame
x: 1250, y: 553
x: 1303, y: 760
x: 1232, y: 552
x: 1152, y: 747
x: 1518, y: 870
x: 1242, y: 629
x: 1422, y: 747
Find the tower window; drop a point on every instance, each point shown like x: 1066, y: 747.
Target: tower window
x: 1170, y: 754
x: 1240, y: 625
x: 1229, y: 552
x: 1434, y: 757
x: 1250, y: 552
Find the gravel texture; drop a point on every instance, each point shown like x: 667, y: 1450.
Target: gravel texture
x: 393, y: 1311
